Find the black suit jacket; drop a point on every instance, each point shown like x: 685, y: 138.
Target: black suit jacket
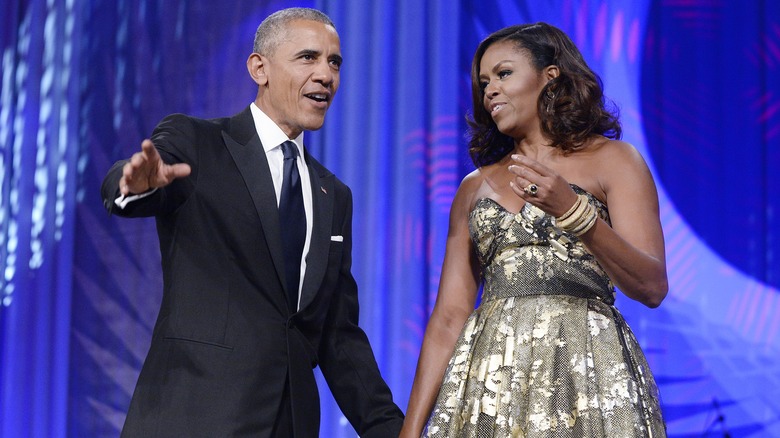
x: 225, y: 343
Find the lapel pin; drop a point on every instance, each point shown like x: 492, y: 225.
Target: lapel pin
x: 323, y: 190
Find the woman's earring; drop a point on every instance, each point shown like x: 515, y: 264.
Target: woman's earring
x: 550, y: 98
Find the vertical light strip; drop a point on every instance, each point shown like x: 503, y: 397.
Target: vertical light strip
x: 36, y: 199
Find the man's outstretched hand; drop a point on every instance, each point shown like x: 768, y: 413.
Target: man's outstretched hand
x: 146, y: 171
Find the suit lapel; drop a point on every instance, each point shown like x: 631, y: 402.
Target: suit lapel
x: 249, y: 156
x: 322, y: 192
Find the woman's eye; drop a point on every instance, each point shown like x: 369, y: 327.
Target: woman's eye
x: 504, y: 73
x: 483, y: 85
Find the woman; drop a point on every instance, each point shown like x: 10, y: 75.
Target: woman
x: 557, y: 212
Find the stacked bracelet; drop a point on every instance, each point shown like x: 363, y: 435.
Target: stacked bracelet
x: 580, y: 217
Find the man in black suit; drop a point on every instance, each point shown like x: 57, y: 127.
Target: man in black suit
x: 241, y: 326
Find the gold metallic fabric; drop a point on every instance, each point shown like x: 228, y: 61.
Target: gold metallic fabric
x: 546, y: 353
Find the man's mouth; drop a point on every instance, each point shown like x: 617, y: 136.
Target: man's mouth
x: 318, y: 97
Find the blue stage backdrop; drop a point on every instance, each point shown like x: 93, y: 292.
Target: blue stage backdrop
x: 83, y: 82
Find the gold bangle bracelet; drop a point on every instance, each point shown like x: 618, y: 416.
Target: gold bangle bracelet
x: 567, y: 222
x: 570, y: 210
x: 587, y: 224
x: 579, y: 219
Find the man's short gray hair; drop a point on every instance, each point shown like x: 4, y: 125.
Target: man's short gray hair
x: 273, y: 29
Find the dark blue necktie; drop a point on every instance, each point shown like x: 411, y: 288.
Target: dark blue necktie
x: 292, y: 219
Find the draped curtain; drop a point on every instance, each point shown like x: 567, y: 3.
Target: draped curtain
x: 39, y: 161
x: 83, y: 82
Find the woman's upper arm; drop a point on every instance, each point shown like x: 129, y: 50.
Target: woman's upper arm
x: 632, y: 199
x: 459, y: 280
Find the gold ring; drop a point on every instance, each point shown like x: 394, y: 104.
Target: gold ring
x: 531, y: 189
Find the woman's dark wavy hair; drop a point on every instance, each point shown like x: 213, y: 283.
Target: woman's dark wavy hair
x: 571, y: 107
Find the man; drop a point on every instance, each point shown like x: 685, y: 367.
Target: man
x: 255, y: 237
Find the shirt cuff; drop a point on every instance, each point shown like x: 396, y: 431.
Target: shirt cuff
x: 123, y: 200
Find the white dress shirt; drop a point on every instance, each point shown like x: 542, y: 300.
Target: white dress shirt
x: 272, y: 137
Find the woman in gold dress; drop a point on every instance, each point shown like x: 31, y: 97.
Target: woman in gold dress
x: 558, y: 213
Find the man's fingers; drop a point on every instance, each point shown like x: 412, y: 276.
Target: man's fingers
x: 147, y: 147
x: 174, y: 171
x: 138, y: 159
x: 182, y: 170
x: 148, y: 156
x: 123, y: 189
x: 145, y: 170
x: 139, y: 164
x: 127, y: 178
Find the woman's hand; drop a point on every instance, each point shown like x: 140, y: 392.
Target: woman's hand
x: 541, y: 186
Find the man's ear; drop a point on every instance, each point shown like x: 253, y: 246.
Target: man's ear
x: 551, y: 72
x: 256, y: 67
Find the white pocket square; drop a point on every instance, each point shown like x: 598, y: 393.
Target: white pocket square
x: 336, y: 238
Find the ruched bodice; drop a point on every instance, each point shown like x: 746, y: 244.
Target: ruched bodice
x: 525, y: 254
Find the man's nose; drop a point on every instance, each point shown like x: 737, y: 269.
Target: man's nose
x: 324, y: 74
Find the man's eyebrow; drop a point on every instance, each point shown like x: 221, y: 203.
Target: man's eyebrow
x: 310, y: 52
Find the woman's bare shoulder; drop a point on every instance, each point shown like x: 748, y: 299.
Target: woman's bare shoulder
x: 469, y: 186
x: 614, y: 151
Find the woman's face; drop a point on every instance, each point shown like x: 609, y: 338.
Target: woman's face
x: 511, y: 88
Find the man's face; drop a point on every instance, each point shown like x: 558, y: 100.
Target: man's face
x: 299, y: 79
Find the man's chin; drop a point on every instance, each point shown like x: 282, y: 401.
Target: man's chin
x: 314, y: 124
